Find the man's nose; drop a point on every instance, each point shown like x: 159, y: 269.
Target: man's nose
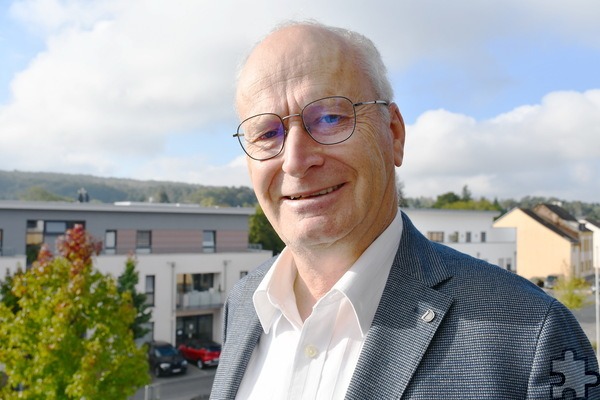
x: 301, y: 151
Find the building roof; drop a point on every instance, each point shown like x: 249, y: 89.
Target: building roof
x: 125, y: 207
x: 560, y: 212
x: 554, y: 228
x: 594, y: 222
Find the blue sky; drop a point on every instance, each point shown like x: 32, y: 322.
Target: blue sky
x: 502, y: 96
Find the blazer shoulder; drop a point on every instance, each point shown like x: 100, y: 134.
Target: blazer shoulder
x: 246, y: 286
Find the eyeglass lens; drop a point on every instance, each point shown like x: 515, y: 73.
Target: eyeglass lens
x: 329, y: 121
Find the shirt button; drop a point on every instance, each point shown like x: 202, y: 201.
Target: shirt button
x: 311, y: 351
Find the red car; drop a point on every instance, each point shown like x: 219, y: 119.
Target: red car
x: 203, y: 354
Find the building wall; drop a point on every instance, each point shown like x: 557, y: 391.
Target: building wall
x: 540, y: 251
x: 228, y: 268
x: 495, y: 245
x: 595, y: 242
x: 177, y: 247
x: 11, y: 264
x: 227, y: 222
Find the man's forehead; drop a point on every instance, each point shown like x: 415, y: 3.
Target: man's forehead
x: 294, y: 59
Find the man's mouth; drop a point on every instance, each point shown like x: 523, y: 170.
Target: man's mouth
x: 320, y: 193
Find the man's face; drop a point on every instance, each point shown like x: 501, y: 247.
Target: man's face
x: 314, y: 195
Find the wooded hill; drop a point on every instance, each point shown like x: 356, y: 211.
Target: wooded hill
x: 45, y: 186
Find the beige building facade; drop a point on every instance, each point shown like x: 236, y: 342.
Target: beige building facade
x: 550, y: 241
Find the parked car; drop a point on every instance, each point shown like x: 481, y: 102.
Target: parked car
x: 165, y: 359
x: 203, y: 354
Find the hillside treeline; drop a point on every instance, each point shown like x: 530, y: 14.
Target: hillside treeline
x: 43, y: 186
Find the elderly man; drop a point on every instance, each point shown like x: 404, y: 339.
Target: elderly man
x: 360, y: 305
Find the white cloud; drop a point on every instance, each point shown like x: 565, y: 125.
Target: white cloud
x: 118, y: 80
x: 550, y: 149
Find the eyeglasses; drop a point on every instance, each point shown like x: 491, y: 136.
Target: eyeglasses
x: 330, y: 120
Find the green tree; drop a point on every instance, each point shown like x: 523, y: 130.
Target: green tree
x: 481, y: 205
x: 6, y: 295
x: 402, y: 200
x: 445, y: 199
x: 126, y: 283
x: 261, y: 231
x: 572, y: 292
x: 163, y: 196
x: 466, y: 194
x: 71, y: 338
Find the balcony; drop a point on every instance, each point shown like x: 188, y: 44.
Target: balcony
x: 193, y: 301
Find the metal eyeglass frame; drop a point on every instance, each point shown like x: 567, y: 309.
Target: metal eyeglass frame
x: 301, y: 115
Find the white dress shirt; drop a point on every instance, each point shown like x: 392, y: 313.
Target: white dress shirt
x: 316, y: 359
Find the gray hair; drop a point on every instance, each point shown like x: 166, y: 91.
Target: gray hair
x: 368, y: 58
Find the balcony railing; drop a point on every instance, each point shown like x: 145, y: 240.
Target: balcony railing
x: 196, y: 300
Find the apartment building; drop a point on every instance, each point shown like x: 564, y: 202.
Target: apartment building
x: 469, y: 231
x: 550, y: 241
x: 188, y: 257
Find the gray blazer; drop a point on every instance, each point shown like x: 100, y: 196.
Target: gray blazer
x: 448, y: 326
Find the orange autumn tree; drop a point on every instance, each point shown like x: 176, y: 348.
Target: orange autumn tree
x: 70, y: 337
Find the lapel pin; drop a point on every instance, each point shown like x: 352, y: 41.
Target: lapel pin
x: 428, y: 316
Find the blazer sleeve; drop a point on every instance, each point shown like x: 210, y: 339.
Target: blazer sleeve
x: 564, y: 363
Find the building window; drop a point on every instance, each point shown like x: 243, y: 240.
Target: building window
x: 453, y: 237
x: 468, y: 237
x: 110, y: 242
x: 195, y: 282
x: 194, y: 327
x: 209, y: 242
x: 149, y: 336
x: 483, y: 237
x: 59, y: 227
x: 40, y: 231
x: 33, y: 240
x: 150, y: 290
x: 436, y: 236
x: 143, y: 242
x: 55, y: 227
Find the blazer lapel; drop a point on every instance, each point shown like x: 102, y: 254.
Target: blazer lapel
x: 241, y: 351
x: 407, y: 318
x: 245, y: 331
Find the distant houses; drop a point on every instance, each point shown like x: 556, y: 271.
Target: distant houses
x: 550, y: 241
x: 189, y: 256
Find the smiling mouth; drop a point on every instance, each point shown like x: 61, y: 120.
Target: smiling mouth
x: 321, y: 193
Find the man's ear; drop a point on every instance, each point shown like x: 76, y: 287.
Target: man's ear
x: 398, y: 133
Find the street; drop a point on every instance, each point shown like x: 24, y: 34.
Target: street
x: 587, y: 318
x: 196, y: 385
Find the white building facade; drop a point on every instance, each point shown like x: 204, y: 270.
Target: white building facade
x: 188, y: 257
x: 468, y: 231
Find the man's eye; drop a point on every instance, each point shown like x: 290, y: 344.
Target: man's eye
x: 269, y: 134
x: 330, y: 119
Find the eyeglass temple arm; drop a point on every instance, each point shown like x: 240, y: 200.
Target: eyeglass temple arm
x: 363, y: 103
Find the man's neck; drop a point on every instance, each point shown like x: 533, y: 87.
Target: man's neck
x: 316, y: 275
x: 320, y: 267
